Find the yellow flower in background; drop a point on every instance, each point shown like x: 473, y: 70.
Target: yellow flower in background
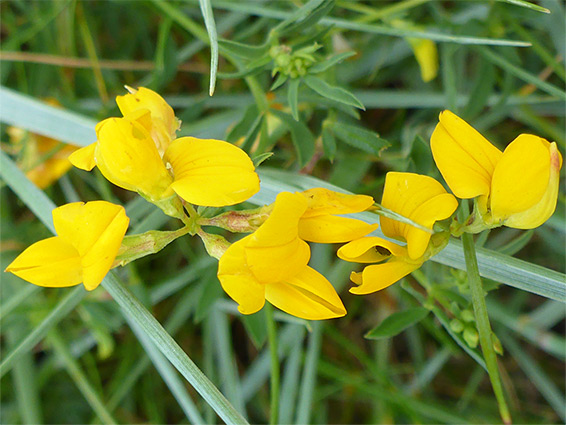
x: 272, y: 264
x: 88, y: 239
x: 137, y: 153
x: 320, y: 222
x: 163, y: 124
x: 427, y: 56
x: 44, y: 160
x: 421, y: 199
x: 516, y: 188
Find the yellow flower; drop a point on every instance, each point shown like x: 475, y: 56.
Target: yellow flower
x: 516, y: 188
x: 163, y: 124
x: 272, y: 264
x: 137, y: 153
x: 427, y: 56
x: 421, y: 199
x: 88, y: 239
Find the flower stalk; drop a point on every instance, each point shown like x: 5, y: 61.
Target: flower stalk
x: 484, y: 327
x: 272, y: 338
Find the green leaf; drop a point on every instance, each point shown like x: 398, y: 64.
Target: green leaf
x: 254, y: 67
x: 279, y: 81
x: 303, y: 139
x: 359, y: 137
x: 330, y: 62
x: 258, y: 160
x: 397, y: 323
x: 293, y: 97
x: 245, y: 51
x: 208, y: 17
x: 526, y: 4
x: 328, y: 143
x: 305, y: 17
x: 332, y: 92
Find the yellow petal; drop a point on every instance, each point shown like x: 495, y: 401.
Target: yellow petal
x: 309, y: 295
x: 543, y: 160
x: 370, y: 250
x: 51, y: 169
x: 420, y: 198
x: 163, y: 122
x: 323, y: 202
x: 51, y: 262
x: 437, y: 208
x: 464, y: 157
x: 379, y: 276
x: 127, y: 156
x: 211, y: 172
x: 238, y: 281
x: 332, y: 229
x: 427, y: 56
x: 521, y: 176
x: 96, y: 230
x: 274, y: 252
x: 84, y: 157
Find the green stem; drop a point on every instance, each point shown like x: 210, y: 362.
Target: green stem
x: 272, y: 337
x: 484, y: 328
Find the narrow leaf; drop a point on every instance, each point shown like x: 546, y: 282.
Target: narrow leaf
x: 245, y: 51
x: 332, y: 92
x: 293, y: 97
x: 526, y: 4
x: 330, y: 62
x: 208, y: 17
x: 305, y: 17
x: 328, y: 143
x: 397, y: 323
x: 360, y: 138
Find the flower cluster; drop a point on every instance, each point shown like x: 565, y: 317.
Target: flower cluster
x: 140, y: 152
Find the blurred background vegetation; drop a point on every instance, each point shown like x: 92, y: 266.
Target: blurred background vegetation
x: 294, y: 88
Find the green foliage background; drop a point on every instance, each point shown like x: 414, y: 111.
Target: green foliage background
x: 73, y: 357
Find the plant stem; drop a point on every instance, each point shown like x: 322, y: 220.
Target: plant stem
x: 484, y: 328
x: 272, y: 337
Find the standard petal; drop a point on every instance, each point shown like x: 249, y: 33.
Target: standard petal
x: 274, y: 252
x: 238, y: 281
x: 51, y: 262
x: 464, y: 157
x: 379, y: 276
x: 437, y: 208
x: 309, y: 295
x: 332, y: 229
x: 370, y: 250
x: 163, y: 122
x: 84, y: 157
x: 541, y: 211
x: 324, y: 202
x: 126, y: 155
x: 521, y: 176
x: 211, y: 172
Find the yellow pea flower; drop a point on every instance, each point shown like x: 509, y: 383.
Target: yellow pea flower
x: 88, y: 239
x: 272, y: 264
x: 127, y: 156
x: 163, y: 124
x: 137, y: 153
x: 516, y: 188
x: 421, y: 199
